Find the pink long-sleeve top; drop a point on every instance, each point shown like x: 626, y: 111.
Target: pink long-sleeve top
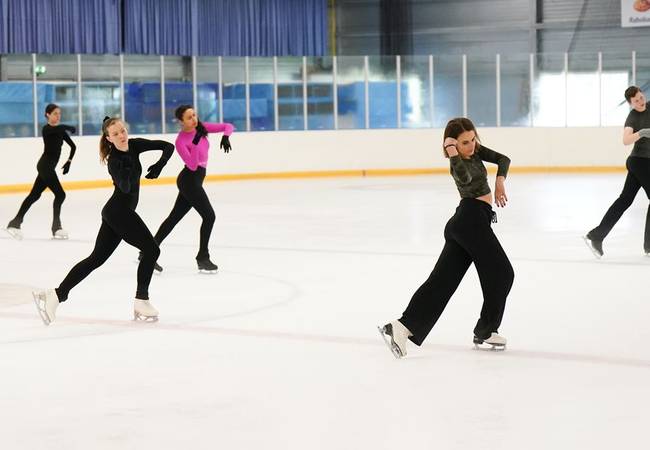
x: 197, y: 155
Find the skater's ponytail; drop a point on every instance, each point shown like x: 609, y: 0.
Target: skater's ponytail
x: 104, y: 145
x: 456, y: 127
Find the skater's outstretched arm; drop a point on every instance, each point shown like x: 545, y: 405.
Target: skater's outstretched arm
x: 486, y: 154
x: 73, y: 149
x: 141, y: 145
x: 226, y: 128
x: 493, y: 157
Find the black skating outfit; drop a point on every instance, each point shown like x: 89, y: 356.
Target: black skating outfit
x: 468, y: 239
x: 638, y: 176
x: 119, y: 219
x: 53, y: 137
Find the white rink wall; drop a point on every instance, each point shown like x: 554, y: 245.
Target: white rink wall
x: 298, y: 151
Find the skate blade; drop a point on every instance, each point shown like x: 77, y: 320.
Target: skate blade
x: 40, y: 307
x: 489, y: 347
x: 15, y: 233
x: 207, y: 272
x: 394, y: 349
x: 147, y: 319
x: 593, y: 250
x: 60, y: 238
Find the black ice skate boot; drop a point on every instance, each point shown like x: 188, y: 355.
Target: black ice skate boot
x: 595, y: 245
x: 206, y: 266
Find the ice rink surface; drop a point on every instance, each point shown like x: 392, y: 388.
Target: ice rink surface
x: 280, y: 349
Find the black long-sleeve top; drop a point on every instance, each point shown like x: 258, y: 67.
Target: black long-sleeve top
x: 125, y: 168
x: 53, y: 137
x: 470, y: 175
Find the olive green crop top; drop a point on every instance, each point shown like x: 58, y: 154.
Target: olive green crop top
x: 470, y: 174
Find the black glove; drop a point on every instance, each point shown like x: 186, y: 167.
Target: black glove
x: 154, y: 170
x: 66, y: 167
x: 225, y: 144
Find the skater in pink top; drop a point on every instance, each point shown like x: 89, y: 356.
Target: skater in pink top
x: 192, y: 145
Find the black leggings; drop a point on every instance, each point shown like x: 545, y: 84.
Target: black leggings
x: 638, y: 176
x: 46, y: 179
x: 190, y: 195
x: 118, y: 223
x: 468, y: 239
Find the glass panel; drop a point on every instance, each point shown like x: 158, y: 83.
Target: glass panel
x: 142, y: 106
x: 100, y: 90
x: 350, y: 91
x: 234, y: 92
x: 482, y: 90
x: 515, y: 90
x: 261, y: 92
x: 57, y: 83
x: 643, y: 71
x: 549, y: 91
x: 583, y: 106
x: 207, y: 84
x: 383, y: 91
x: 290, y: 105
x: 178, y: 88
x: 447, y: 88
x: 416, y: 111
x: 320, y: 93
x: 16, y: 107
x: 616, y: 77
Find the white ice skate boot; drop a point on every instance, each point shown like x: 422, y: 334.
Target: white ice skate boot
x: 494, y: 343
x: 15, y: 233
x: 60, y: 234
x: 143, y: 311
x: 398, y: 335
x: 46, y: 304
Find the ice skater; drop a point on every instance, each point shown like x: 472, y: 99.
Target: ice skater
x: 192, y: 145
x: 54, y: 133
x: 636, y: 131
x: 119, y: 220
x: 468, y: 239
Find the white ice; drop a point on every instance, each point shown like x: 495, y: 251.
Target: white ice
x: 280, y: 349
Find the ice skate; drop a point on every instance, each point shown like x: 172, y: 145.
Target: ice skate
x: 157, y: 268
x: 206, y: 266
x: 59, y: 234
x: 395, y: 336
x: 15, y: 233
x: 46, y: 304
x: 144, y: 312
x: 595, y: 246
x: 13, y: 228
x: 494, y: 343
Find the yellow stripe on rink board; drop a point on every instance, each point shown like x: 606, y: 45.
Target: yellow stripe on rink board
x: 95, y: 184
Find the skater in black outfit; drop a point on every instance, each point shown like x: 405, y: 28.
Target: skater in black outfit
x: 468, y: 239
x: 192, y: 145
x: 637, y: 132
x: 119, y: 219
x: 54, y: 134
